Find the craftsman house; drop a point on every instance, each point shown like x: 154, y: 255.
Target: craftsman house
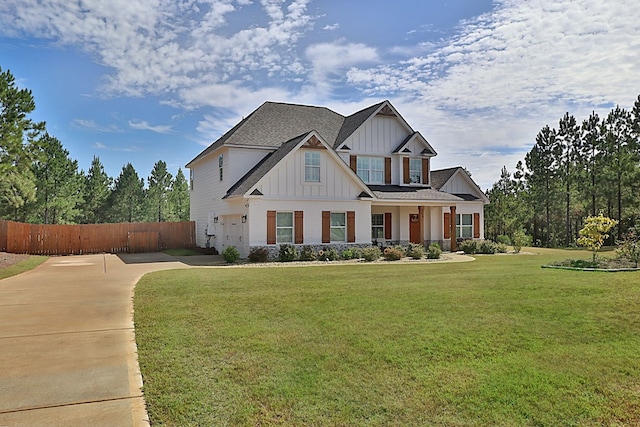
x: 307, y: 175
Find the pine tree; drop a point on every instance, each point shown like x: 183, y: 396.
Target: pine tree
x: 59, y: 184
x: 97, y: 189
x: 157, y: 195
x: 179, y: 197
x: 17, y: 141
x: 127, y: 199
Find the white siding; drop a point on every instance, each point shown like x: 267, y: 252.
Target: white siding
x: 378, y: 137
x: 459, y: 185
x: 286, y: 180
x: 312, y: 217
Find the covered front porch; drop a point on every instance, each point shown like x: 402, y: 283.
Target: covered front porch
x: 406, y: 223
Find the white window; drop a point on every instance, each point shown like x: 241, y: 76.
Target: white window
x: 312, y: 166
x: 377, y: 226
x: 415, y: 171
x: 284, y: 227
x: 338, y: 227
x: 464, y: 226
x: 220, y: 164
x: 371, y: 169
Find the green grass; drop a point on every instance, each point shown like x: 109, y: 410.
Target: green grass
x: 22, y: 266
x: 499, y: 341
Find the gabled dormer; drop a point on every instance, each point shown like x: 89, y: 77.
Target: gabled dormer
x: 383, y: 149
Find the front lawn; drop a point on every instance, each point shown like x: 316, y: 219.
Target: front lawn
x: 499, y: 341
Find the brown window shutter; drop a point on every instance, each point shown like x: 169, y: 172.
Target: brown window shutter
x: 425, y: 171
x: 298, y: 228
x: 405, y: 170
x: 351, y: 226
x: 387, y: 170
x: 447, y: 225
x: 476, y: 225
x: 271, y: 227
x: 353, y: 163
x: 387, y: 225
x: 326, y: 227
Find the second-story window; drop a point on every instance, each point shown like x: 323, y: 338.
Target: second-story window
x: 371, y: 169
x: 220, y: 164
x: 415, y: 171
x: 312, y: 166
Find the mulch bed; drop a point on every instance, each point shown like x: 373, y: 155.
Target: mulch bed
x: 7, y: 259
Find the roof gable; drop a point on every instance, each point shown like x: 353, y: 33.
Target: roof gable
x: 446, y: 177
x: 246, y: 186
x: 417, y: 137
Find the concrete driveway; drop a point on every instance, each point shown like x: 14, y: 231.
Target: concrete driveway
x: 67, y: 346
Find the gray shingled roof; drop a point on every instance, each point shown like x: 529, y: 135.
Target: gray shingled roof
x: 273, y: 123
x: 397, y: 192
x: 441, y: 176
x: 353, y: 122
x: 252, y: 177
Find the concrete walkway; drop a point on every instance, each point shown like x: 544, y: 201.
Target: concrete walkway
x: 67, y: 348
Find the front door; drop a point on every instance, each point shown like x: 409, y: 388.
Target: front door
x: 414, y: 229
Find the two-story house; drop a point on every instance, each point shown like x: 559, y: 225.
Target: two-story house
x: 307, y: 175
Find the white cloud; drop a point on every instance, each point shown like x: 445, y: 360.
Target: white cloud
x: 144, y: 125
x: 92, y: 125
x: 163, y: 46
x: 329, y: 61
x: 331, y: 27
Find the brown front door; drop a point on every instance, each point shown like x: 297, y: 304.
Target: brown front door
x: 414, y: 228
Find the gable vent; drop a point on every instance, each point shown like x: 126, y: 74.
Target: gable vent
x: 314, y: 142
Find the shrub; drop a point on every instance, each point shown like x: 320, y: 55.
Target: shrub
x: 520, y: 239
x: 371, y: 253
x: 629, y: 248
x: 415, y: 250
x: 501, y: 248
x: 259, y: 255
x: 348, y: 254
x: 393, y: 253
x: 469, y: 247
x: 288, y: 253
x: 328, y: 254
x: 230, y: 254
x: 307, y: 254
x: 504, y: 239
x: 357, y: 253
x: 434, y: 251
x: 595, y: 232
x: 487, y: 247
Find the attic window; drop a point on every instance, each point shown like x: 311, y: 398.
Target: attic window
x: 312, y: 166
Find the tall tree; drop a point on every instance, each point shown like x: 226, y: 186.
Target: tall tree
x: 127, y: 198
x: 542, y: 175
x: 157, y: 195
x: 568, y: 138
x: 590, y: 152
x: 59, y: 184
x: 97, y: 188
x: 620, y: 160
x: 17, y: 139
x: 179, y: 197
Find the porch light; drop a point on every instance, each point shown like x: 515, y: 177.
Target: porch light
x: 244, y: 219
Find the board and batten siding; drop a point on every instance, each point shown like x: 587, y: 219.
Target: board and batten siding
x: 286, y: 181
x: 459, y: 185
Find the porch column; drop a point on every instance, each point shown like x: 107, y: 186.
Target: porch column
x: 454, y: 246
x: 421, y: 219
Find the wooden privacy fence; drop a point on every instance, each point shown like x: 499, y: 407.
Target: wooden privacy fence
x: 47, y: 239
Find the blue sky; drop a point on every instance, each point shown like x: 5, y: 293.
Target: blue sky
x: 148, y: 80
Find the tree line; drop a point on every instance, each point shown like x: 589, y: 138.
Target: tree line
x: 40, y: 183
x: 573, y: 171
